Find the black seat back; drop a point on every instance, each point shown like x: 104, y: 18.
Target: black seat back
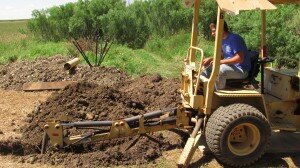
x: 254, y: 55
x: 252, y: 74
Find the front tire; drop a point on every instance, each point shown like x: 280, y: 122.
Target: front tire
x: 238, y: 134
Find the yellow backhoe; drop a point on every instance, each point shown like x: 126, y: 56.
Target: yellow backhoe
x: 235, y: 122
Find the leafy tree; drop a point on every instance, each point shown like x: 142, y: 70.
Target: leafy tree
x: 81, y: 23
x: 208, y: 14
x: 282, y: 37
x: 51, y: 24
x: 40, y: 26
x: 168, y: 17
x: 59, y: 17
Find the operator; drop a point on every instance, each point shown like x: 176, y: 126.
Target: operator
x: 235, y: 62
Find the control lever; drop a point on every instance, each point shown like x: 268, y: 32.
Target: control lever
x: 262, y: 62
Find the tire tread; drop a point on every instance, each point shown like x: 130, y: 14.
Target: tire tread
x: 218, y: 122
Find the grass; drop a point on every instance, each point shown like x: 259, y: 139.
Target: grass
x: 30, y: 49
x: 160, y: 55
x: 16, y: 44
x: 11, y: 30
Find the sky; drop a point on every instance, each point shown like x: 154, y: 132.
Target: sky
x: 21, y: 9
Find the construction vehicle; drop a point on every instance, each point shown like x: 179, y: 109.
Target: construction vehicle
x: 236, y: 123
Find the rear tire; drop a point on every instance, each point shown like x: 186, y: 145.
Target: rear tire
x: 238, y: 134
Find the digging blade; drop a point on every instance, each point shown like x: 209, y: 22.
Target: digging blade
x: 190, y: 146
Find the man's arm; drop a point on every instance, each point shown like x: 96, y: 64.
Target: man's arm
x: 237, y: 58
x: 209, y: 60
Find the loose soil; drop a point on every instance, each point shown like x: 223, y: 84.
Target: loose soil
x: 14, y: 75
x: 83, y: 101
x: 101, y: 93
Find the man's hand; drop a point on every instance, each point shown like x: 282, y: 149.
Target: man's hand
x: 207, y: 61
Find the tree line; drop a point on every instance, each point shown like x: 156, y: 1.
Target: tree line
x: 133, y: 25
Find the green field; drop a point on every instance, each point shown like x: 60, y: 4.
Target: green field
x: 8, y: 27
x: 160, y: 55
x: 10, y: 31
x: 16, y: 43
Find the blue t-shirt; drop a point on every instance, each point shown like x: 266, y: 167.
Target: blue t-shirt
x: 233, y: 44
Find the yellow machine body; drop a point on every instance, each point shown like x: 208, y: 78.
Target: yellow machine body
x: 282, y: 98
x: 198, y: 92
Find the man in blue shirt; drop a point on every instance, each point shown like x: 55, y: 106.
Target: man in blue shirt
x: 235, y: 62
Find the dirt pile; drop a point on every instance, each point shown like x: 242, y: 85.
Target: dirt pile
x: 109, y: 94
x: 82, y: 101
x: 90, y: 101
x: 14, y: 75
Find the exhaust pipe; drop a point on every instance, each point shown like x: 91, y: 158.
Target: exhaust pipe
x: 71, y: 64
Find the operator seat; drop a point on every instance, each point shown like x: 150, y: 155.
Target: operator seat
x: 250, y: 79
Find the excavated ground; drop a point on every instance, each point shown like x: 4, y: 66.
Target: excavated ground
x: 14, y: 75
x: 100, y: 94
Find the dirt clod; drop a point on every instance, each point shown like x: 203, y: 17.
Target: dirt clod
x: 90, y: 116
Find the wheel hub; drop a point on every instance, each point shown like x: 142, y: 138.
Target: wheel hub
x: 243, y: 139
